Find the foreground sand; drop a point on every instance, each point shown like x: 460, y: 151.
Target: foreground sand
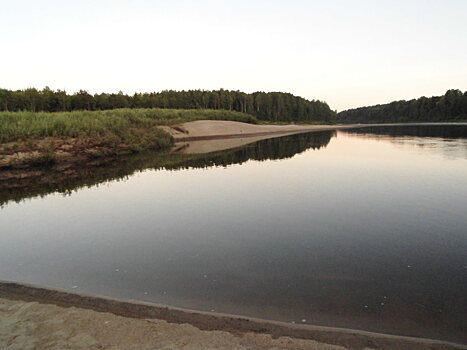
x: 30, y: 325
x: 44, y: 318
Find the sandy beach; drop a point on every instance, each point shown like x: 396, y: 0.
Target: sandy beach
x: 203, y: 136
x: 31, y: 325
x: 221, y: 129
x: 43, y: 318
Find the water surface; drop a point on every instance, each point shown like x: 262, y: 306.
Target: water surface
x: 363, y: 228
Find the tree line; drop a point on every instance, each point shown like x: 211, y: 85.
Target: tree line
x: 271, y: 106
x: 450, y: 107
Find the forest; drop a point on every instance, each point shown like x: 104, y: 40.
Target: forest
x: 271, y: 106
x: 447, y: 108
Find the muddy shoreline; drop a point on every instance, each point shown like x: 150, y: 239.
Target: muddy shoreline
x: 354, y: 339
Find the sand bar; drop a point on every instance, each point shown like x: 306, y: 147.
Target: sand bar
x: 220, y: 129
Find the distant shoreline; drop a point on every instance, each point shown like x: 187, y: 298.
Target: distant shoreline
x: 217, y: 321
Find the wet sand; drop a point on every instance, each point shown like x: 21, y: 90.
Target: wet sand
x: 38, y: 318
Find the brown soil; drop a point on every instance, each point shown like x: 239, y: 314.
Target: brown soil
x: 34, y: 153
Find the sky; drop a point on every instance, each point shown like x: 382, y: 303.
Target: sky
x: 347, y: 53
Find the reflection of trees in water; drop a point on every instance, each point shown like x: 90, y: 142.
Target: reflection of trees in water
x: 269, y: 149
x: 448, y: 140
x: 438, y: 131
x: 16, y: 185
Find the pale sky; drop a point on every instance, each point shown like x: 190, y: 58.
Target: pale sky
x: 347, y: 53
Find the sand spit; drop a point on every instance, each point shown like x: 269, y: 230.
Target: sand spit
x: 43, y: 318
x: 217, y: 129
x: 220, y: 129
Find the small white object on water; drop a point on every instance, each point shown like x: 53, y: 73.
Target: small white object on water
x: 74, y: 287
x: 293, y: 322
x: 145, y: 293
x: 212, y: 310
x: 205, y: 276
x: 366, y: 306
x: 385, y: 297
x: 117, y: 270
x: 304, y: 320
x: 165, y: 292
x: 409, y: 266
x: 382, y: 304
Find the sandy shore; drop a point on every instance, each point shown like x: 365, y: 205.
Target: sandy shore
x: 204, y: 136
x: 31, y: 325
x: 43, y: 318
x: 220, y: 129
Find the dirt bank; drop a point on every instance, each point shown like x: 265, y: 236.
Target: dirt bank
x: 73, y: 151
x: 39, y: 318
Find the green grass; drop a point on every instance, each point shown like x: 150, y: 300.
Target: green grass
x: 126, y: 125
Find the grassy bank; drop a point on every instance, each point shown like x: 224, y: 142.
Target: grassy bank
x: 23, y: 126
x: 28, y: 138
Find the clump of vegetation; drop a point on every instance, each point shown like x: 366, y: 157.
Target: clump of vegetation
x: 121, y: 125
x: 43, y: 159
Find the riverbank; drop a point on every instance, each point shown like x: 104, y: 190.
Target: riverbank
x: 30, y: 139
x: 18, y: 184
x: 36, y: 317
x: 220, y: 129
x: 223, y: 129
x: 42, y: 326
x: 211, y: 141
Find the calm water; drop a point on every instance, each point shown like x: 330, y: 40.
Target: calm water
x: 364, y: 229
